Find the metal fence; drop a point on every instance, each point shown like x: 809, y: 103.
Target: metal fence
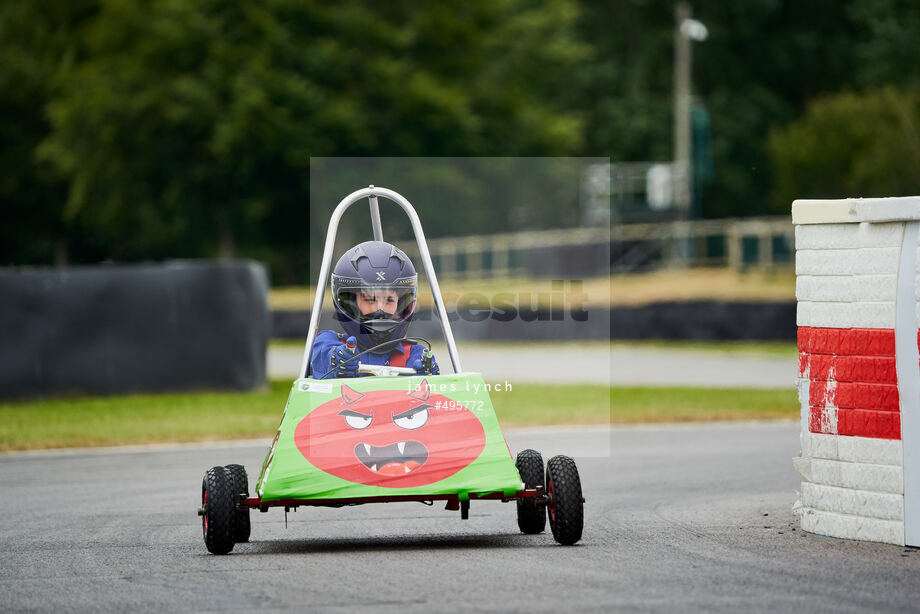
x: 760, y: 242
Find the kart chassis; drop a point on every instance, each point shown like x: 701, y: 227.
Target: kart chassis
x: 227, y: 522
x: 454, y: 502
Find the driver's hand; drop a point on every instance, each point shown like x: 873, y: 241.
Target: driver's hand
x: 419, y: 365
x: 342, y: 359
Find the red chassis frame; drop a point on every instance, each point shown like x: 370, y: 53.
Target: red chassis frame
x: 454, y: 502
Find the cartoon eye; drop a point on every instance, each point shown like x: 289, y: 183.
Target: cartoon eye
x: 412, y: 418
x: 356, y: 420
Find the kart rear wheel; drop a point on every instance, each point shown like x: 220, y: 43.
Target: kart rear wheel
x: 241, y: 527
x: 218, y: 509
x: 566, y: 505
x: 530, y: 516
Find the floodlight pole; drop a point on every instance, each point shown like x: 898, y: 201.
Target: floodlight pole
x: 683, y: 57
x: 686, y: 31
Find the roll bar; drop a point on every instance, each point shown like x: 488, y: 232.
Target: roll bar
x: 371, y: 193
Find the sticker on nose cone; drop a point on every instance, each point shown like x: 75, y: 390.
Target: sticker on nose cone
x: 390, y: 437
x: 316, y: 387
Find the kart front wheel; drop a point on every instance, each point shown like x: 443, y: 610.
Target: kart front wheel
x: 218, y: 508
x: 241, y: 528
x: 566, y: 504
x: 530, y: 516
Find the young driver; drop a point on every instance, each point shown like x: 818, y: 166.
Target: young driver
x: 374, y: 290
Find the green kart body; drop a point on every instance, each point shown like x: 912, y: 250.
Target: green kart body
x: 369, y: 437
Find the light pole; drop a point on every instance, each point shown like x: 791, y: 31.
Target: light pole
x: 686, y: 31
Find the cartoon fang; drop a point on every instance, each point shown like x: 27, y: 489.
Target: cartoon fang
x: 367, y: 449
x: 402, y: 447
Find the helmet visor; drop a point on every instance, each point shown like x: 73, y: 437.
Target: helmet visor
x: 369, y: 303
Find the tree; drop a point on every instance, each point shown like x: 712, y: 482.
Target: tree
x: 850, y: 145
x: 38, y: 43
x: 762, y: 62
x: 886, y: 48
x: 189, y: 126
x: 859, y: 142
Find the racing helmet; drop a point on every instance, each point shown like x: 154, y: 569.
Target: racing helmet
x: 378, y: 274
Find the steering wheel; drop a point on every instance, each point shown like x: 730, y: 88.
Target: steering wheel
x: 384, y: 370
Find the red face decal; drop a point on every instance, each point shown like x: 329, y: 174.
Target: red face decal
x: 391, y: 437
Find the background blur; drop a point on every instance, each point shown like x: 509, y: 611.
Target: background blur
x: 142, y: 131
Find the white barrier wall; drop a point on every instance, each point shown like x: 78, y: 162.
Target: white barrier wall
x: 859, y: 367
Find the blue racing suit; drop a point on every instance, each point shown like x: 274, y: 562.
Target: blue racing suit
x: 327, y: 340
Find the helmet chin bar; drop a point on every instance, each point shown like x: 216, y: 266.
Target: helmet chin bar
x: 379, y: 326
x: 379, y: 337
x: 379, y: 321
x: 374, y: 328
x: 378, y: 331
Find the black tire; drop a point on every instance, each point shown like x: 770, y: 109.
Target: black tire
x: 219, y: 508
x: 530, y: 516
x: 566, y: 505
x: 241, y: 527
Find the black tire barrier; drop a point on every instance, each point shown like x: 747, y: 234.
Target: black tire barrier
x: 705, y: 321
x: 114, y: 329
x: 685, y: 320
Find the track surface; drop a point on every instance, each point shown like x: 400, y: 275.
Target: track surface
x: 679, y: 518
x: 597, y: 364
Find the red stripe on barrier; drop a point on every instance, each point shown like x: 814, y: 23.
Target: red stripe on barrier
x: 853, y: 381
x: 821, y: 420
x: 865, y: 423
x: 855, y: 422
x: 867, y: 369
x: 850, y: 395
x: 847, y: 341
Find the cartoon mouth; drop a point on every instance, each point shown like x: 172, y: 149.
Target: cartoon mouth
x: 395, y: 459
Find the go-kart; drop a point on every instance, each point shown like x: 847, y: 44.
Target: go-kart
x: 397, y: 436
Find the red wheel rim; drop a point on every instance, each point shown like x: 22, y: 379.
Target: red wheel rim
x: 552, y: 501
x: 204, y: 505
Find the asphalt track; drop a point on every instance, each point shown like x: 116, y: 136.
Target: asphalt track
x: 599, y: 364
x: 678, y: 518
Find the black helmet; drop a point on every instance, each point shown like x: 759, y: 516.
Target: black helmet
x: 372, y: 268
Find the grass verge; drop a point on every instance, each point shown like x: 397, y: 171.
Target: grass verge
x: 537, y: 404
x: 138, y: 419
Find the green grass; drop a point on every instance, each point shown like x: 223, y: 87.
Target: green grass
x: 138, y: 419
x: 630, y: 405
x: 538, y: 404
